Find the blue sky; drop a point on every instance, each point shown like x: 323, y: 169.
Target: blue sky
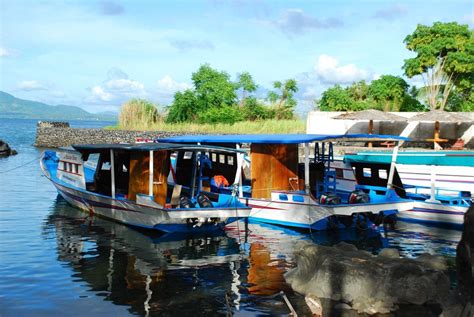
x: 98, y: 54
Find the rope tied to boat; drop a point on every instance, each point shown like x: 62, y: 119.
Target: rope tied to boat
x: 20, y: 166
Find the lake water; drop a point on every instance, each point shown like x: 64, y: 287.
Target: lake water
x: 55, y: 261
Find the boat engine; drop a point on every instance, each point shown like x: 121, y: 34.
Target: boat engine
x: 329, y: 199
x: 358, y: 197
x: 185, y: 202
x: 204, y: 201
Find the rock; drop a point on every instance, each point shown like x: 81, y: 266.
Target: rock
x: 464, y: 258
x: 314, y: 305
x: 58, y: 134
x: 5, y: 149
x: 390, y: 253
x: 342, y: 306
x: 374, y: 284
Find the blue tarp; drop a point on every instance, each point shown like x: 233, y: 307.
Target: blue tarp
x: 277, y: 138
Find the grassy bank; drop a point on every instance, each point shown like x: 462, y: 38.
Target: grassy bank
x: 266, y: 126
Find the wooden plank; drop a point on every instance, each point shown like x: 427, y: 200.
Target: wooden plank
x: 139, y: 173
x: 161, y: 164
x: 273, y: 165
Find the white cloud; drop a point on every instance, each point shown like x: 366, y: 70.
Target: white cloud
x: 5, y: 52
x: 100, y: 94
x: 31, y: 85
x: 117, y: 88
x: 168, y: 86
x: 329, y: 71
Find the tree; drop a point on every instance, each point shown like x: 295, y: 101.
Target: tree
x: 339, y: 99
x: 183, y: 108
x: 284, y: 100
x: 445, y: 59
x: 213, y: 88
x: 388, y: 91
x: 246, y: 83
x: 358, y: 91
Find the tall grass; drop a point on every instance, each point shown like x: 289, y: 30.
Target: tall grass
x: 138, y: 112
x: 264, y: 126
x: 142, y: 115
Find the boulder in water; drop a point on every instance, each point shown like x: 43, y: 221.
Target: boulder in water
x: 5, y: 149
x: 370, y: 284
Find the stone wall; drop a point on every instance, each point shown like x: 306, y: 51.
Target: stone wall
x: 58, y: 134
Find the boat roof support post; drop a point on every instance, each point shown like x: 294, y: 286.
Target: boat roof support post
x: 150, y: 179
x: 306, y: 168
x: 393, y: 164
x: 112, y: 173
x: 238, y: 174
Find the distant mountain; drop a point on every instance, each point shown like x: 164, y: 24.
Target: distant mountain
x: 15, y: 108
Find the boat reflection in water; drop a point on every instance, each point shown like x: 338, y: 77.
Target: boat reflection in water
x: 240, y: 271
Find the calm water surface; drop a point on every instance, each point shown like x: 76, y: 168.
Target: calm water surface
x: 54, y: 260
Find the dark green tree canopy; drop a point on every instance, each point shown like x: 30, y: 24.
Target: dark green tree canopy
x: 388, y: 90
x: 213, y: 88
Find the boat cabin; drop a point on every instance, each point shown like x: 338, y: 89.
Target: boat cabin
x: 141, y: 172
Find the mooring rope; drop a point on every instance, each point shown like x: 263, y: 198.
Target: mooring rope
x: 20, y: 166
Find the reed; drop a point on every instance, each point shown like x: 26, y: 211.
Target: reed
x: 138, y: 112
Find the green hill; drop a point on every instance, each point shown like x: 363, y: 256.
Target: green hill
x: 15, y: 108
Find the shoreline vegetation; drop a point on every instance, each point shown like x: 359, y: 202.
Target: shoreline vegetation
x: 217, y: 104
x: 241, y: 127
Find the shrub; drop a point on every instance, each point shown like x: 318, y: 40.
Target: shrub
x: 223, y: 114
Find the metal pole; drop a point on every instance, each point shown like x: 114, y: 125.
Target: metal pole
x: 240, y: 161
x: 112, y: 172
x: 306, y: 169
x: 392, y: 165
x: 150, y: 179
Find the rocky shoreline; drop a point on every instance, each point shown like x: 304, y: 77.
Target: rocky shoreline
x: 52, y: 134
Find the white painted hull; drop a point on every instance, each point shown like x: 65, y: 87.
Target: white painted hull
x: 310, y: 214
x: 435, y: 213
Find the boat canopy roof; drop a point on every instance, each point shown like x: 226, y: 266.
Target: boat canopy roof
x: 134, y: 147
x: 279, y: 138
x: 440, y: 158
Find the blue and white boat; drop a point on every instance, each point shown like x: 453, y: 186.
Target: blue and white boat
x: 128, y: 183
x: 432, y: 204
x: 283, y: 190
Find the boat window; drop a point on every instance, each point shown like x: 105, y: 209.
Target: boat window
x: 214, y: 157
x: 339, y: 173
x: 367, y: 172
x: 222, y: 158
x: 75, y: 168
x: 187, y: 155
x: 230, y: 160
x: 105, y: 166
x: 383, y: 174
x: 298, y: 199
x: 283, y: 197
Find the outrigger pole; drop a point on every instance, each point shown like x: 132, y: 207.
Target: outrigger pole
x: 112, y: 173
x: 393, y: 165
x: 307, y: 187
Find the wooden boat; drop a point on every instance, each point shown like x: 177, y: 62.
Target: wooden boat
x: 128, y: 183
x: 282, y: 190
x: 433, y: 204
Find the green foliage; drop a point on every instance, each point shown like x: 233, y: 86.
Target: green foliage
x: 359, y: 91
x: 213, y: 88
x: 459, y: 102
x: 445, y: 56
x: 138, y: 111
x: 388, y: 91
x: 283, y: 100
x: 253, y: 110
x: 224, y: 114
x: 246, y: 83
x: 184, y: 107
x: 339, y: 99
x: 411, y: 104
